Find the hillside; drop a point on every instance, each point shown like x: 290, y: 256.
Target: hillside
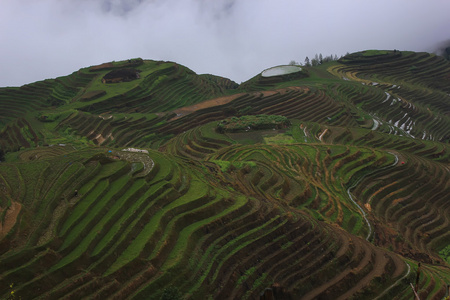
x: 140, y: 179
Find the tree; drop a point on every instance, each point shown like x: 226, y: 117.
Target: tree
x: 447, y: 53
x: 320, y: 59
x: 293, y: 63
x: 307, y: 62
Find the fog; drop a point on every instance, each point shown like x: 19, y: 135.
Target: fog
x: 42, y: 39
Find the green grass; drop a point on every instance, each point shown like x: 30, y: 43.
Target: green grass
x: 226, y: 165
x: 187, y: 232
x: 62, y: 181
x: 374, y: 52
x: 99, y: 228
x: 258, y: 284
x: 244, y: 240
x: 245, y: 123
x: 86, y: 215
x: 106, y: 171
x: 210, y: 251
x: 83, y: 205
x: 279, y: 139
x: 150, y: 201
x: 209, y: 131
x: 245, y: 276
x: 445, y: 254
x: 129, y: 213
x: 132, y: 251
x: 161, y: 225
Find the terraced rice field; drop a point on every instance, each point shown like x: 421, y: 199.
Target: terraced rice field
x: 343, y: 202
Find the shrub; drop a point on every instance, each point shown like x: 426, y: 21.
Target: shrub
x: 171, y: 293
x: 257, y: 122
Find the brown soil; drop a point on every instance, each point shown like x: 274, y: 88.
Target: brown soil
x: 401, y: 158
x: 10, y: 218
x: 100, y: 67
x: 183, y: 111
x: 387, y: 237
x: 92, y: 95
x: 121, y: 75
x: 57, y: 214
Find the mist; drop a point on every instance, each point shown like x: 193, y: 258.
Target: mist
x: 234, y: 39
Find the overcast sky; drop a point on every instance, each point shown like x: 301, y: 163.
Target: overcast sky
x: 237, y: 39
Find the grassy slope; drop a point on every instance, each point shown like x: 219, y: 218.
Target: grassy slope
x: 368, y: 146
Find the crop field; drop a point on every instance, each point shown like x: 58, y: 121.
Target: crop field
x: 328, y: 182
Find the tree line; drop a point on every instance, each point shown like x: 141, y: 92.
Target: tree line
x: 317, y: 60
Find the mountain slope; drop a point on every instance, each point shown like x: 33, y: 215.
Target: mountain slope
x: 328, y: 183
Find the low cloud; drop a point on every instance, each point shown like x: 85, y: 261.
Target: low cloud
x: 231, y: 38
x: 442, y: 48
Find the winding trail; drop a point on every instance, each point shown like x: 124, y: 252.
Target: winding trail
x: 359, y: 207
x: 322, y: 134
x: 395, y: 162
x: 395, y: 283
x: 376, y: 123
x: 363, y: 213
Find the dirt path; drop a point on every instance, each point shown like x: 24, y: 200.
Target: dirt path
x: 395, y: 283
x: 322, y: 134
x: 10, y: 218
x: 363, y: 213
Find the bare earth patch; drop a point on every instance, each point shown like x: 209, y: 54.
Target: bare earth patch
x: 101, y: 67
x: 183, y: 111
x: 10, y: 218
x: 57, y: 215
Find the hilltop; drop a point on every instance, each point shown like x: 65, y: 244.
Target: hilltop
x: 141, y: 179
